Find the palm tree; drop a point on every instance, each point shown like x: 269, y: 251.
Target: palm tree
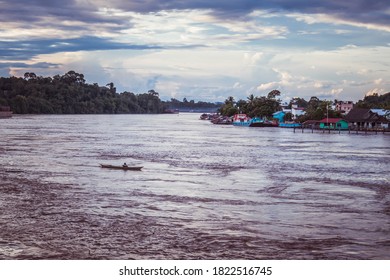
x: 251, y: 98
x: 230, y: 100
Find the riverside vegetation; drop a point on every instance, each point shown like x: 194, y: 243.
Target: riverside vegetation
x: 70, y: 94
x: 315, y: 109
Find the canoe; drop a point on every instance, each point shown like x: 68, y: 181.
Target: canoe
x: 134, y: 168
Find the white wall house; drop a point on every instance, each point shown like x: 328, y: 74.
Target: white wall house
x: 297, y: 111
x: 344, y: 106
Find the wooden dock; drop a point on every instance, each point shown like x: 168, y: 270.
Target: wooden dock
x: 339, y: 131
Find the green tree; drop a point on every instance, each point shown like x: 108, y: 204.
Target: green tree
x: 299, y: 102
x: 288, y: 117
x: 111, y: 87
x: 273, y: 94
x: 20, y: 104
x: 375, y: 101
x: 229, y: 108
x: 73, y: 77
x: 3, y: 102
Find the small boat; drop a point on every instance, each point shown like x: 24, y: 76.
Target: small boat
x: 205, y: 116
x: 289, y: 124
x: 244, y: 120
x: 241, y: 120
x: 222, y: 120
x: 122, y: 167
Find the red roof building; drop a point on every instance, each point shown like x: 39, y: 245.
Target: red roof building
x: 333, y: 123
x: 330, y: 120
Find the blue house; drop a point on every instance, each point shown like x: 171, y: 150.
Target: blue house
x: 279, y: 116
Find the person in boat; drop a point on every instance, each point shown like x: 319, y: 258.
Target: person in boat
x: 125, y: 164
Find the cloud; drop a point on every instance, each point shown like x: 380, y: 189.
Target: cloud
x: 375, y: 91
x: 268, y: 86
x: 49, y: 25
x: 111, y: 16
x: 363, y: 10
x: 237, y: 85
x: 336, y: 91
x: 40, y: 10
x: 196, y: 27
x: 285, y: 79
x: 170, y: 88
x: 378, y: 81
x: 344, y: 19
x: 209, y: 49
x: 30, y: 48
x: 39, y: 65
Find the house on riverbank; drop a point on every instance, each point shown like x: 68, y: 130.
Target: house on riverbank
x: 344, y: 107
x: 333, y: 123
x: 361, y: 118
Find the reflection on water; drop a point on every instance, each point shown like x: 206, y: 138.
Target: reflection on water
x: 206, y: 191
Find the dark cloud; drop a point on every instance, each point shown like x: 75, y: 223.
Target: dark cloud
x: 32, y: 11
x: 33, y: 14
x: 367, y: 11
x: 21, y: 50
x: 40, y: 65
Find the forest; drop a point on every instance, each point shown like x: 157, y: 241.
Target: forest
x: 70, y: 94
x: 375, y: 101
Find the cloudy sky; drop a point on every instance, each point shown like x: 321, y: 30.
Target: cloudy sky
x: 204, y: 49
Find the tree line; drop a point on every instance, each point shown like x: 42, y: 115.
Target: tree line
x: 188, y: 106
x: 70, y: 94
x: 254, y: 106
x: 375, y: 101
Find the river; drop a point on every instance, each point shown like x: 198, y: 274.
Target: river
x: 205, y: 192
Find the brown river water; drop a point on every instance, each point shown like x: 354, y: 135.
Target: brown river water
x: 205, y: 192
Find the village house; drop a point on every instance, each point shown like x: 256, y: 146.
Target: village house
x: 382, y: 112
x: 295, y: 111
x: 344, y: 107
x: 311, y: 124
x: 362, y: 118
x: 279, y: 116
x: 333, y: 123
